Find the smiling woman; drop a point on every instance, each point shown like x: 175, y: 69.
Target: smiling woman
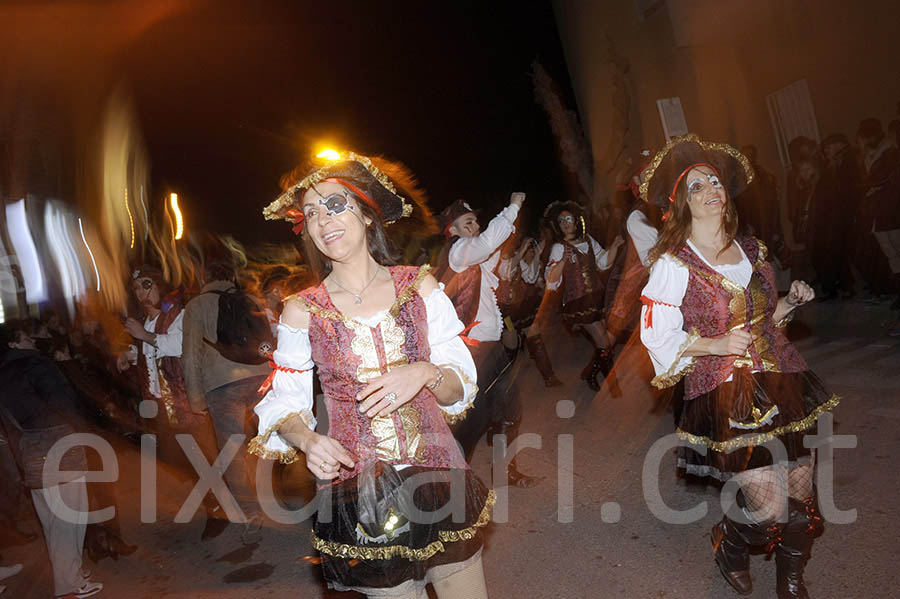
x: 712, y: 316
x: 386, y: 342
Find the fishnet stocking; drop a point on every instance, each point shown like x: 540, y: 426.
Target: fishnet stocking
x: 766, y: 490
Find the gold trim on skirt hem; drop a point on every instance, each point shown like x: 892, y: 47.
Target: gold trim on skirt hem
x: 760, y: 438
x: 344, y: 550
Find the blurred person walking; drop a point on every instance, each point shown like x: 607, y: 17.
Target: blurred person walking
x: 38, y: 408
x: 573, y: 268
x: 225, y: 388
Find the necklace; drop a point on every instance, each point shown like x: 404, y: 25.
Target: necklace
x: 358, y: 296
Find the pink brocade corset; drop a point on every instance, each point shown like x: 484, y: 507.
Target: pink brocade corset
x: 348, y: 353
x: 714, y: 306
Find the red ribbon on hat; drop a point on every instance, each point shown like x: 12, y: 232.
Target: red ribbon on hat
x: 267, y: 384
x: 298, y: 218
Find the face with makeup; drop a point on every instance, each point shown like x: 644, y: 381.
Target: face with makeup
x: 146, y: 292
x: 334, y: 221
x: 466, y: 226
x: 566, y: 222
x: 706, y: 195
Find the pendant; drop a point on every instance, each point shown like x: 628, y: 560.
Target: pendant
x: 358, y: 300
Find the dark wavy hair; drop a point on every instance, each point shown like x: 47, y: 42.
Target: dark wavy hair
x: 378, y: 243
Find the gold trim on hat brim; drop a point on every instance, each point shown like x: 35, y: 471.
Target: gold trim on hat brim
x: 706, y: 145
x: 274, y: 210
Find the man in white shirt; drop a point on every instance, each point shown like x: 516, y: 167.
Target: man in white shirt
x: 466, y: 267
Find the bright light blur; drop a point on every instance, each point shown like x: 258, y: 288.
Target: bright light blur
x: 90, y: 253
x: 59, y: 240
x: 179, y: 220
x: 23, y: 245
x: 329, y: 154
x: 130, y: 218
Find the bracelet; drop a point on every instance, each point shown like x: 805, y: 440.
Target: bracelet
x: 437, y: 382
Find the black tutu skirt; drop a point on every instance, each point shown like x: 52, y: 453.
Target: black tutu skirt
x: 739, y: 422
x: 353, y: 559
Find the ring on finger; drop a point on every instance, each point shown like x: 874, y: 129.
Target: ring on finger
x: 391, y: 397
x: 323, y: 466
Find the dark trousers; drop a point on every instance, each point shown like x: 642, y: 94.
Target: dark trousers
x: 497, y: 400
x: 229, y: 409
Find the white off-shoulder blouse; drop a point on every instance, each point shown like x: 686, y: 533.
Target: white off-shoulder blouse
x: 665, y: 339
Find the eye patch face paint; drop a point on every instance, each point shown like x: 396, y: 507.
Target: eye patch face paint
x: 334, y: 203
x: 566, y: 218
x: 696, y: 184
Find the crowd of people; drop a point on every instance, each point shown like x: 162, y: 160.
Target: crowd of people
x: 386, y: 374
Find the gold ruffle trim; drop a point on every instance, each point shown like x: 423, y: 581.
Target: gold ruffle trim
x: 452, y: 419
x: 760, y: 438
x: 273, y: 210
x: 257, y: 445
x: 670, y: 377
x: 391, y: 551
x: 412, y: 288
x: 706, y: 145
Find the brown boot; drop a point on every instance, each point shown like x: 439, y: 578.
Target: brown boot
x: 794, y: 548
x: 538, y: 353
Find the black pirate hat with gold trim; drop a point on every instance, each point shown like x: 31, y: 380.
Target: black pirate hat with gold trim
x: 388, y: 187
x: 680, y: 155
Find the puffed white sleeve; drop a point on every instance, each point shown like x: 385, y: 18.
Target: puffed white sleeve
x: 291, y: 394
x: 662, y: 324
x: 642, y: 233
x: 169, y: 344
x: 531, y: 271
x: 556, y: 254
x: 601, y: 256
x: 449, y: 351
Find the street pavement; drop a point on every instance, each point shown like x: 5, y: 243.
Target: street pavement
x: 602, y: 539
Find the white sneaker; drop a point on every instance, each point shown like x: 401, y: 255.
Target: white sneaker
x: 7, y: 571
x: 88, y: 589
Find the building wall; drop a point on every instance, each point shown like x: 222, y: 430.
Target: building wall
x: 723, y: 58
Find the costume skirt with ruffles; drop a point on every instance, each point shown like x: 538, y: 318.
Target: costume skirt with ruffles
x: 583, y: 310
x: 755, y: 420
x: 434, y: 535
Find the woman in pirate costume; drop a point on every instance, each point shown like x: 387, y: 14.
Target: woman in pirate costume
x: 394, y: 370
x: 576, y: 260
x: 712, y: 315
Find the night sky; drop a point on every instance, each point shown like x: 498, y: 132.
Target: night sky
x: 232, y: 95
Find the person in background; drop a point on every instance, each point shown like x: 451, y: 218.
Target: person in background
x: 519, y: 296
x: 879, y: 159
x: 226, y: 389
x: 467, y: 266
x: 38, y: 408
x: 156, y: 355
x: 573, y: 268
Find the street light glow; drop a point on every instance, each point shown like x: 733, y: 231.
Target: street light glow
x: 329, y: 154
x: 179, y: 221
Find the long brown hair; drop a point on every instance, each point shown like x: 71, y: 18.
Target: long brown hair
x: 677, y: 226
